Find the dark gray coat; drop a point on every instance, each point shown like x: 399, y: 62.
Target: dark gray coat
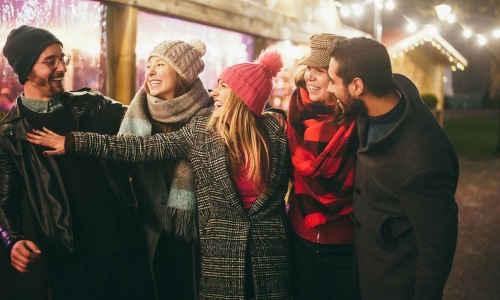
x: 227, y: 233
x: 404, y: 202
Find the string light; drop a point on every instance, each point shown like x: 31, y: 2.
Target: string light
x: 496, y: 33
x: 443, y: 12
x: 411, y: 27
x: 467, y: 33
x: 431, y: 37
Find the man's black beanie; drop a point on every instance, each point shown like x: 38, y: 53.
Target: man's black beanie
x: 23, y: 47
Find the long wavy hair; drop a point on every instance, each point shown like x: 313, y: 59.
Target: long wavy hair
x: 245, y: 140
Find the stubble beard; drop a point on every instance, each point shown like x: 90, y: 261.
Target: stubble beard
x: 353, y: 107
x: 55, y: 88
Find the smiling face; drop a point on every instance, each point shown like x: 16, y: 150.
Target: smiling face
x: 160, y: 78
x: 317, y: 84
x: 220, y: 95
x: 344, y: 93
x: 43, y: 83
x: 336, y: 86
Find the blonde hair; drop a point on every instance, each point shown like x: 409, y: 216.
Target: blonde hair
x: 298, y: 76
x: 245, y: 140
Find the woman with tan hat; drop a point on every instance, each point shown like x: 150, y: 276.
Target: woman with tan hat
x: 323, y: 149
x: 239, y: 161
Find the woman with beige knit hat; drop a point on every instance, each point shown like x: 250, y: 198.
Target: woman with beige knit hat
x: 239, y: 161
x: 172, y: 94
x: 323, y: 149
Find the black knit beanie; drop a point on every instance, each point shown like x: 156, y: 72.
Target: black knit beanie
x: 23, y: 47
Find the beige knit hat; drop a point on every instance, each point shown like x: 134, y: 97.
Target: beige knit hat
x: 184, y: 57
x: 320, y: 44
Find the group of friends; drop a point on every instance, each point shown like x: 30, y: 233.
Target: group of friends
x: 181, y: 194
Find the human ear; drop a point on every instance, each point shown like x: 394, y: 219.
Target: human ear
x: 357, y: 86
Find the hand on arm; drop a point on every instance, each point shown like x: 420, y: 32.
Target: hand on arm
x: 23, y: 255
x: 279, y: 117
x: 48, y: 139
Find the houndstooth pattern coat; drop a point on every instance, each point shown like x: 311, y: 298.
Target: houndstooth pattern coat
x: 226, y: 231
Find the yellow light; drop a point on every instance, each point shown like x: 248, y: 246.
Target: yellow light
x: 411, y: 27
x: 481, y: 40
x: 443, y: 11
x: 496, y: 33
x: 467, y: 33
x: 390, y: 5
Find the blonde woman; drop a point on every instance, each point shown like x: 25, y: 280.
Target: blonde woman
x: 239, y: 161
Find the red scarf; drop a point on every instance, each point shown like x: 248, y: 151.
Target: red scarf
x: 323, y: 156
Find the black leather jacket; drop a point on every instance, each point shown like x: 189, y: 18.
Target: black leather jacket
x: 25, y: 172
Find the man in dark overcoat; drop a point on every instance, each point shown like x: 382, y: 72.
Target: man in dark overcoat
x: 87, y: 235
x: 406, y: 177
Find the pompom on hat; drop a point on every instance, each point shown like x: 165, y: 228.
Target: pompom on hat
x: 23, y: 47
x: 320, y: 45
x: 252, y: 81
x: 184, y: 57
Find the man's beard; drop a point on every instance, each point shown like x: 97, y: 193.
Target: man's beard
x: 46, y: 82
x: 353, y: 107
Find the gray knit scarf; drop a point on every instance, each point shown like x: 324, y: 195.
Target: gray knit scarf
x: 180, y: 217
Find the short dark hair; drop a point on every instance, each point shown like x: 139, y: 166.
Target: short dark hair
x: 367, y: 59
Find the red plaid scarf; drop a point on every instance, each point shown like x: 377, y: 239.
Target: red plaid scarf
x: 323, y: 156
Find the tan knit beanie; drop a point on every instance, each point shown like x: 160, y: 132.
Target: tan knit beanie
x: 184, y: 57
x: 320, y: 44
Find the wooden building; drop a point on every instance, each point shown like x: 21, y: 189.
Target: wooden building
x: 267, y: 21
x: 424, y: 57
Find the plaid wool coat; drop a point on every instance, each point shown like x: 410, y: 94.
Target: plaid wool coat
x: 227, y: 233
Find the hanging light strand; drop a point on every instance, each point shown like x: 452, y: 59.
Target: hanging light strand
x: 444, y: 13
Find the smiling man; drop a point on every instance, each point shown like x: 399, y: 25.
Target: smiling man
x: 82, y: 207
x: 405, y: 178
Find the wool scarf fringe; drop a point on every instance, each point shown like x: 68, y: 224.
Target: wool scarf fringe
x: 181, y: 223
x: 181, y: 217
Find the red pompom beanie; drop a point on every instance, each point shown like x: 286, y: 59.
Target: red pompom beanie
x: 252, y: 81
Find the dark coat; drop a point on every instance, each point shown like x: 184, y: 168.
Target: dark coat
x: 404, y: 202
x: 23, y: 170
x: 227, y: 233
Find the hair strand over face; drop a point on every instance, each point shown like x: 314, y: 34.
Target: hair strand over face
x: 245, y: 140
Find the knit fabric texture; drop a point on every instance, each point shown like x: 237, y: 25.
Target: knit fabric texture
x: 320, y: 45
x: 324, y: 158
x: 253, y: 81
x: 184, y: 57
x: 23, y: 47
x: 180, y: 212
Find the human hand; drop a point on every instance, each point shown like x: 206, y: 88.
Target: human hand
x: 48, y: 139
x: 23, y: 255
x: 280, y: 118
